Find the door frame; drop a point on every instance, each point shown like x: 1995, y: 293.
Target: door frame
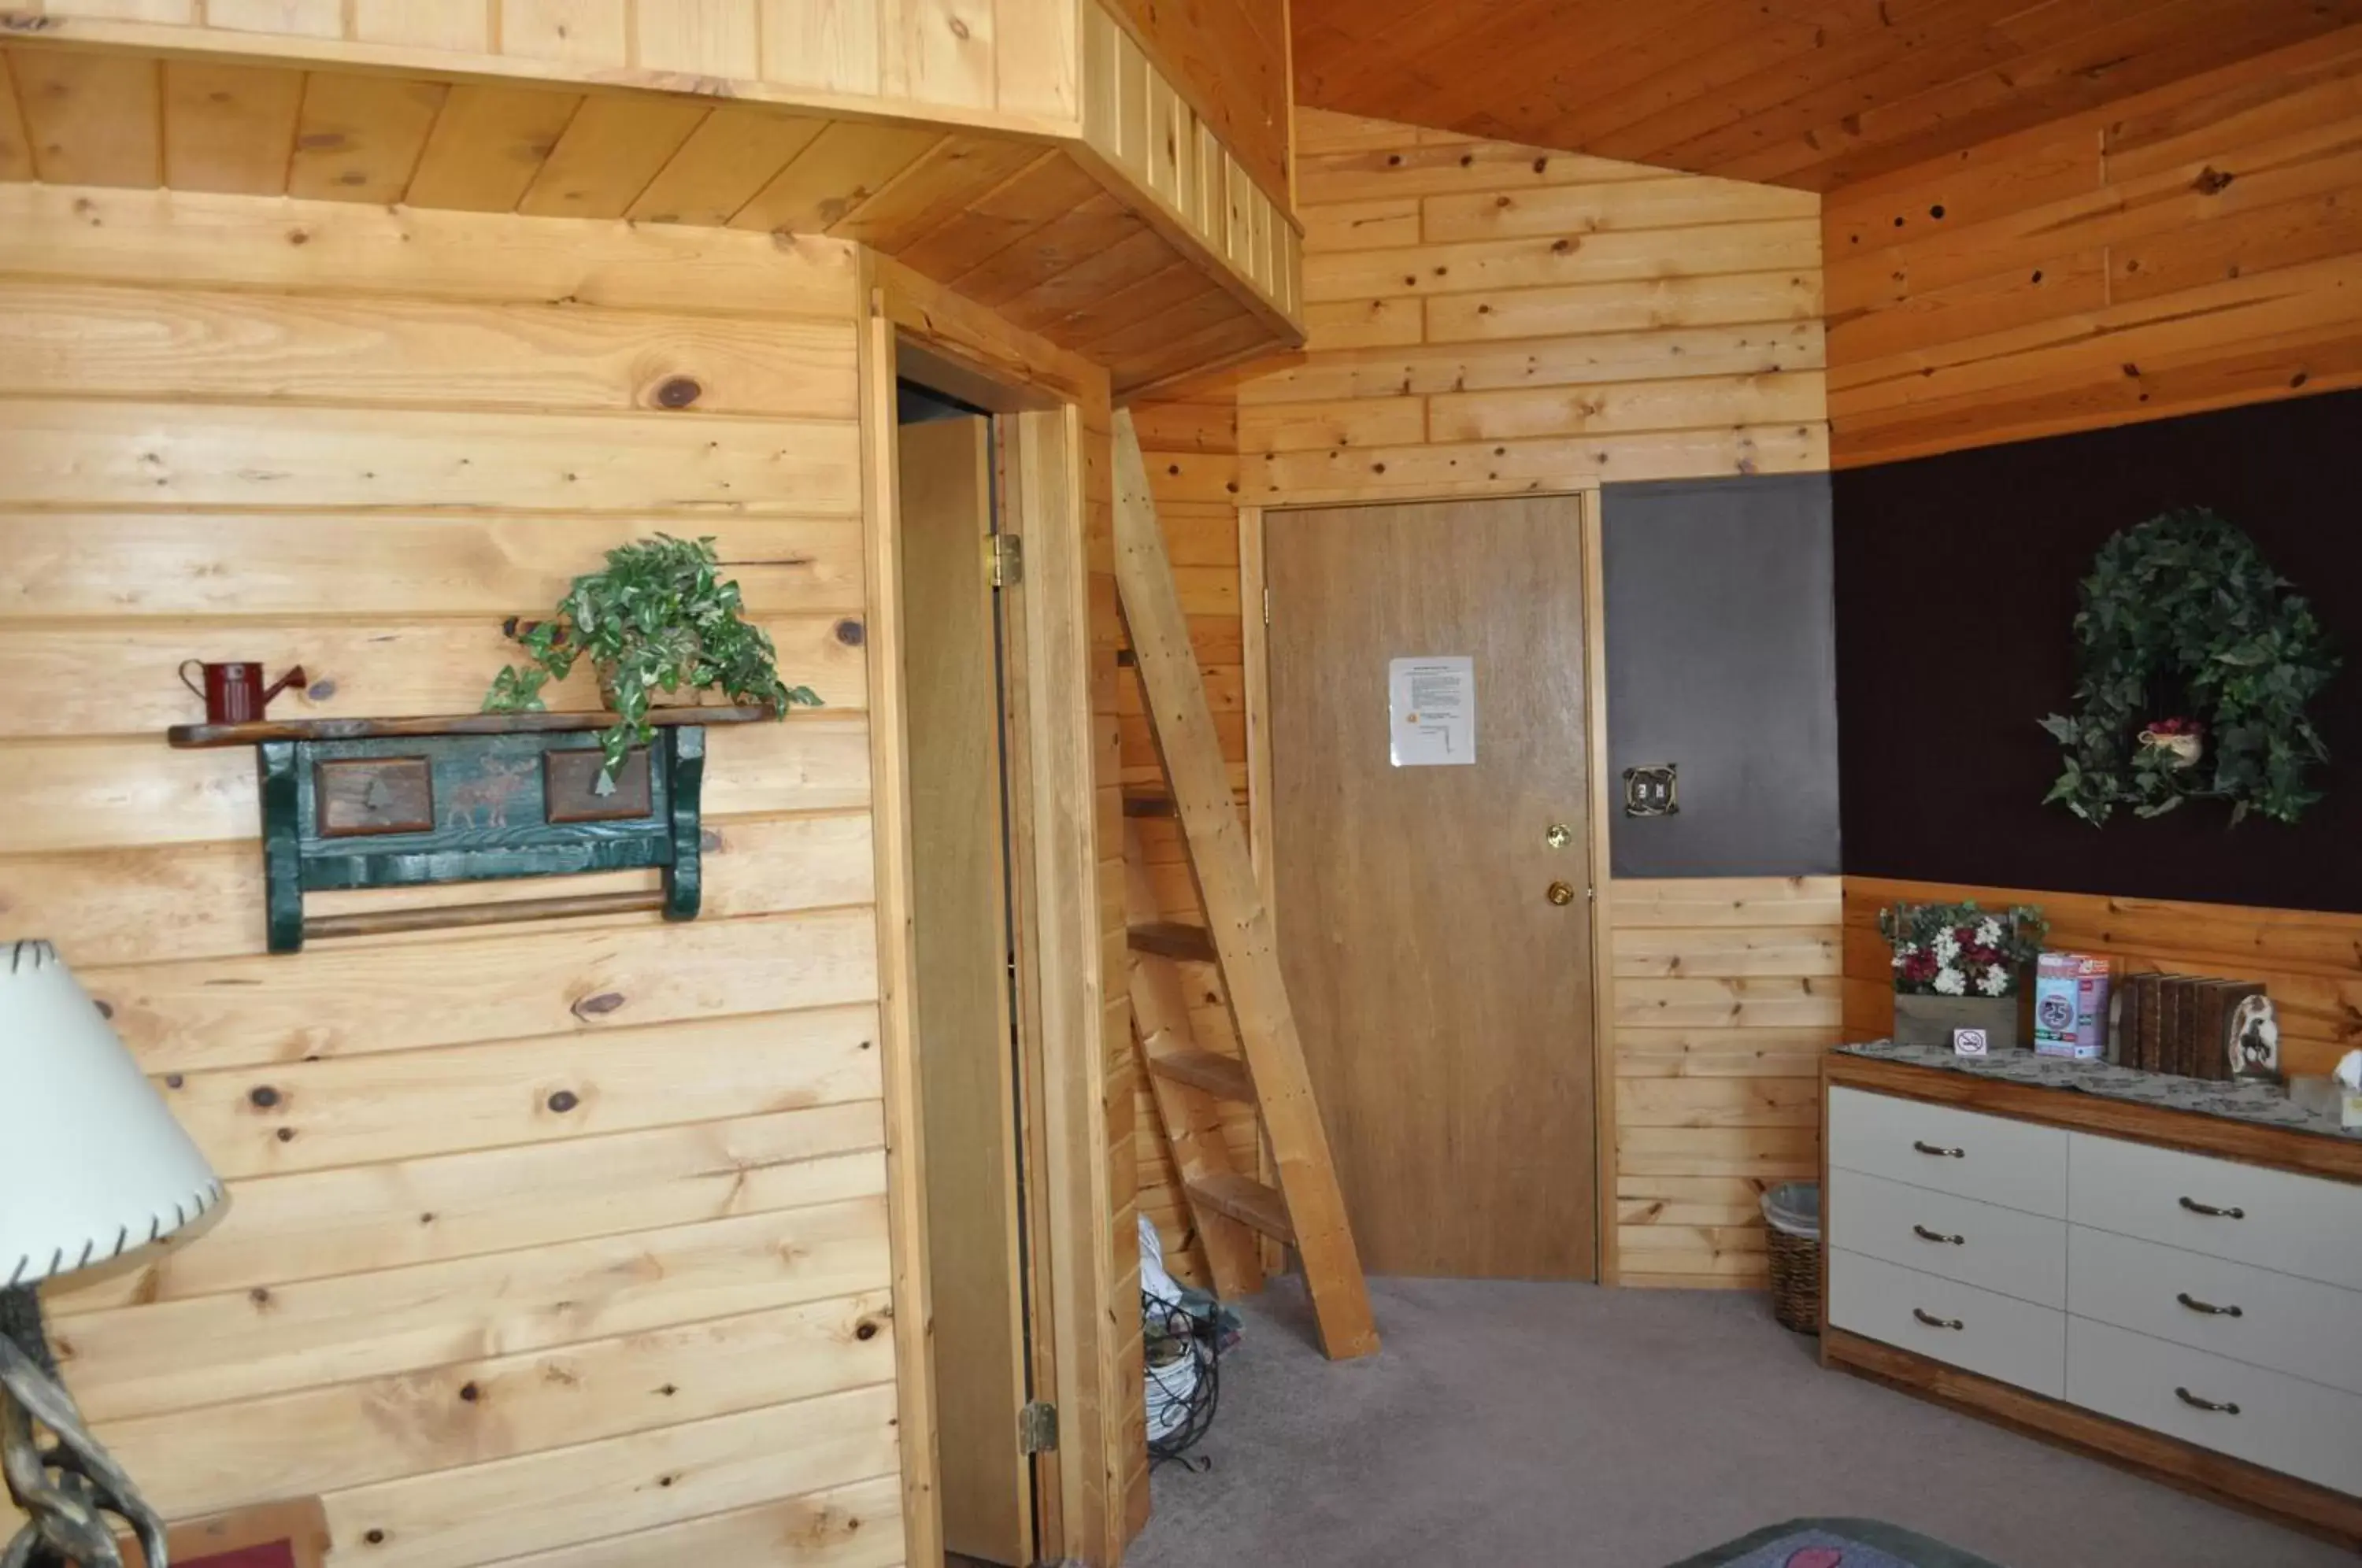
x: 978, y: 1246
x: 1046, y: 404
x: 1254, y: 606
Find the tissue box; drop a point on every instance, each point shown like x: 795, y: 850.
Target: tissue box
x: 2327, y: 1096
x: 2070, y: 1006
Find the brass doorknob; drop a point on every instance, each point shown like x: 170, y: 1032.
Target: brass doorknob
x: 1560, y: 894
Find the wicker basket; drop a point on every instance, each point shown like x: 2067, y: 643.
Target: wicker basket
x: 1796, y: 1255
x: 1796, y: 1282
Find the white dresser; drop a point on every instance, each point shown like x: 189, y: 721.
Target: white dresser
x: 2178, y: 1292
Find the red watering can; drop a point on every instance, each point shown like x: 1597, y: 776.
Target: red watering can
x: 234, y: 693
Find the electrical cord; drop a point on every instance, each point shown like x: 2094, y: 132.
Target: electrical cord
x: 1185, y: 1390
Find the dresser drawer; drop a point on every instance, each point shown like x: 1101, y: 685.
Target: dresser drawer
x: 2302, y: 1225
x: 1992, y: 1159
x: 2297, y: 1326
x: 2007, y: 1250
x: 2282, y: 1422
x: 1994, y: 1335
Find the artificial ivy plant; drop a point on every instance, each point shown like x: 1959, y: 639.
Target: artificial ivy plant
x: 2195, y: 665
x: 660, y: 618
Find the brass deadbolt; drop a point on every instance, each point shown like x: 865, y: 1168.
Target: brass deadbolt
x: 1558, y: 835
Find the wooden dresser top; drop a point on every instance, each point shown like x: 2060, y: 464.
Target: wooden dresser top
x: 2233, y: 1123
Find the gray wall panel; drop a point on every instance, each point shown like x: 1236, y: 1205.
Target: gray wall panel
x: 1722, y: 659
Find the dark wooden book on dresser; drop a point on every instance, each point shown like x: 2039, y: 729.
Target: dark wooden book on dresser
x: 2160, y: 1021
x: 2152, y: 1022
x: 2208, y: 1005
x: 2181, y: 1045
x: 2138, y: 1005
x: 2171, y: 997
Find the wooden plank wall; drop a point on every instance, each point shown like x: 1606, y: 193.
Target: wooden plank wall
x: 555, y: 1242
x: 1122, y: 1089
x: 1229, y: 58
x: 1488, y: 317
x: 1191, y: 450
x: 1726, y: 994
x: 1010, y: 60
x: 2310, y: 961
x: 2197, y: 247
x: 1491, y: 317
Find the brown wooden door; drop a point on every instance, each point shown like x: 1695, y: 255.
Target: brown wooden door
x: 959, y: 935
x: 1445, y: 1002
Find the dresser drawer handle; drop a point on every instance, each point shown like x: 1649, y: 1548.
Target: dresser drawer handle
x: 2208, y: 1306
x: 2232, y: 1212
x: 1942, y: 1153
x: 1935, y: 1322
x: 1925, y: 1234
x: 2195, y: 1403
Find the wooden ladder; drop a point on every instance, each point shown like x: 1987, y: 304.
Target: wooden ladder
x: 1306, y: 1211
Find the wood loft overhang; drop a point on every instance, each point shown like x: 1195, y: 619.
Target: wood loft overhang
x: 1044, y: 167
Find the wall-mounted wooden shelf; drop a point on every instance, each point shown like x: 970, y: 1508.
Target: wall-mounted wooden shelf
x: 193, y: 736
x: 350, y: 803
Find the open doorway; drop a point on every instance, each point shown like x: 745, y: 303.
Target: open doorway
x: 1055, y: 1419
x: 969, y: 1050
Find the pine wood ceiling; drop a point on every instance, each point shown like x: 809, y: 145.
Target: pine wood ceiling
x: 1021, y: 228
x: 1815, y: 94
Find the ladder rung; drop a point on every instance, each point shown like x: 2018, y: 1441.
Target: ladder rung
x: 1248, y: 1201
x: 1224, y: 1077
x: 1171, y: 939
x: 1146, y: 803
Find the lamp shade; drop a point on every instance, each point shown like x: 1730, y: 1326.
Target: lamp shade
x: 92, y: 1163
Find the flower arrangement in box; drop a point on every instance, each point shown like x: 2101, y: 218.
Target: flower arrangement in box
x: 1959, y: 966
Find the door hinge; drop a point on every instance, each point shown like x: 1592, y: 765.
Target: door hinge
x: 1004, y: 554
x: 1037, y: 1427
x: 1267, y: 606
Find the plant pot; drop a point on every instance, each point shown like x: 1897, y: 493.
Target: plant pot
x: 1922, y: 1019
x: 2184, y: 750
x: 682, y: 697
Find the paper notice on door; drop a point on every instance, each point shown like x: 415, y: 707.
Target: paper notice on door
x: 1432, y: 706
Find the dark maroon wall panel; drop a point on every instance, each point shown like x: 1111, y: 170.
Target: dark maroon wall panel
x: 1956, y: 580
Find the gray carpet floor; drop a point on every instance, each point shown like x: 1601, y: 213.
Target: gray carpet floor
x: 1555, y: 1426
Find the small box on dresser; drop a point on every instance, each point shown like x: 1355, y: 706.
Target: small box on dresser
x: 2048, y: 1243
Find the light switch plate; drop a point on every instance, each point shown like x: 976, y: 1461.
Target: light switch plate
x: 1652, y: 791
